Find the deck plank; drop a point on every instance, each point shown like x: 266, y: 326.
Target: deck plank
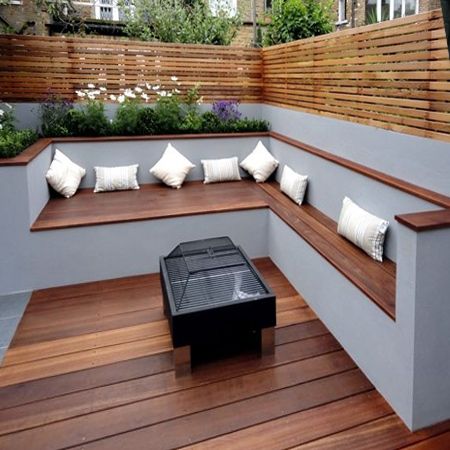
x: 109, y: 383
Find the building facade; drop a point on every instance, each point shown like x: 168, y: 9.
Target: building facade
x: 355, y: 13
x: 26, y: 17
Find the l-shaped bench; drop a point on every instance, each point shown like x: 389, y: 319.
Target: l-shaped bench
x: 391, y: 317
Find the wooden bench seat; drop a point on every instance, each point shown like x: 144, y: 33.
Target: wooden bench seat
x: 156, y: 201
x: 375, y: 279
x: 151, y: 201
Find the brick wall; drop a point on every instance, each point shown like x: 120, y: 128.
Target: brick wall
x: 26, y: 18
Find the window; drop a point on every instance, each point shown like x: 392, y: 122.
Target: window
x: 342, y: 12
x: 380, y: 10
x: 267, y: 5
x: 109, y: 10
x: 223, y: 5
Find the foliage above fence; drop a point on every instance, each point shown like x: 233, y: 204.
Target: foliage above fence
x: 32, y: 66
x: 393, y: 75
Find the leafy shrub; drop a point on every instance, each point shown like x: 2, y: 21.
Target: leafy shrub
x: 13, y: 142
x: 89, y: 120
x: 147, y: 123
x: 153, y: 20
x: 126, y: 121
x: 298, y: 19
x: 54, y: 117
x: 168, y: 114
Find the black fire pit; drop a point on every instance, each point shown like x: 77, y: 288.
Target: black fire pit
x: 212, y: 294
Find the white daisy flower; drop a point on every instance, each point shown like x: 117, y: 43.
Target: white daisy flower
x: 162, y: 94
x: 91, y: 86
x: 91, y: 96
x: 155, y: 88
x: 81, y: 94
x: 174, y: 78
x: 138, y: 89
x: 121, y: 98
x: 169, y: 94
x: 102, y: 88
x: 145, y: 96
x: 177, y: 91
x: 113, y: 97
x: 148, y: 86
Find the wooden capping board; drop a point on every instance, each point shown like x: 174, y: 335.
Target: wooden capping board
x: 397, y: 183
x: 33, y: 150
x: 28, y: 154
x: 424, y: 221
x: 376, y: 280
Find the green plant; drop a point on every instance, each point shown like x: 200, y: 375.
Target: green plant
x: 168, y: 113
x: 89, y: 120
x: 13, y: 142
x: 147, y: 123
x: 54, y: 117
x: 126, y: 121
x: 298, y: 19
x: 153, y: 20
x: 371, y: 15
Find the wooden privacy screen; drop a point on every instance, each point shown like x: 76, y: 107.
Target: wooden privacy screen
x: 33, y: 66
x: 393, y: 75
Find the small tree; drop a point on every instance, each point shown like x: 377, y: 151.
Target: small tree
x: 298, y: 19
x: 181, y: 21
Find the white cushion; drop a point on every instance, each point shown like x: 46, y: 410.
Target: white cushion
x: 218, y: 170
x: 172, y: 168
x: 64, y: 176
x: 260, y: 163
x: 362, y: 228
x: 116, y: 178
x: 293, y: 184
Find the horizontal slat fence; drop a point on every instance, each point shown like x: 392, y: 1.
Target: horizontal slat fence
x: 394, y: 75
x: 33, y: 66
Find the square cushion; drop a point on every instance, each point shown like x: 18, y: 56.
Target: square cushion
x: 293, y: 184
x: 172, y: 168
x: 116, y: 178
x: 260, y: 163
x: 64, y: 176
x: 218, y: 170
x: 362, y: 228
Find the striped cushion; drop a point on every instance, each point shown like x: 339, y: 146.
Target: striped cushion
x: 293, y: 184
x: 218, y: 170
x: 362, y: 228
x: 116, y: 178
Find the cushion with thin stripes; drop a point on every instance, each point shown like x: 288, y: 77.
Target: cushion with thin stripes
x: 362, y: 228
x: 293, y: 184
x: 116, y: 178
x: 218, y: 170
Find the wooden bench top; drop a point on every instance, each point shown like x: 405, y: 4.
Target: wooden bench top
x: 151, y: 201
x: 375, y: 279
x: 156, y: 201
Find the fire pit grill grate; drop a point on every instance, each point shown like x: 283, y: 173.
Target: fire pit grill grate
x: 211, y: 272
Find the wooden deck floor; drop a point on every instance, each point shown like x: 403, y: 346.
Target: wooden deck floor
x: 90, y: 367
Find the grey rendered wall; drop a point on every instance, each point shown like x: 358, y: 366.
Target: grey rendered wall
x: 382, y: 348
x: 430, y: 286
x: 329, y: 183
x: 147, y: 153
x: 425, y: 162
x: 27, y: 114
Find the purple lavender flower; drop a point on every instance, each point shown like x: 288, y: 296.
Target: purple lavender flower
x: 226, y: 110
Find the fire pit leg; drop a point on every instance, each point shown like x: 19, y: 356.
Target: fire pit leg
x: 182, y: 360
x: 267, y: 341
